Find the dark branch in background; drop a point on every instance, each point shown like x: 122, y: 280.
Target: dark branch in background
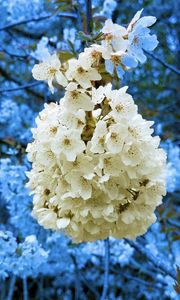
x: 7, y: 76
x: 77, y: 277
x: 137, y: 279
x: 156, y: 262
x: 106, y: 273
x: 172, y: 68
x: 83, y: 279
x: 88, y: 16
x: 79, y: 20
x: 21, y: 87
x: 12, y: 79
x: 41, y: 18
x: 20, y: 56
x: 11, y: 287
x: 21, y: 32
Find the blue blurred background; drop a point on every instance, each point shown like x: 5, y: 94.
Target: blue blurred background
x: 39, y: 264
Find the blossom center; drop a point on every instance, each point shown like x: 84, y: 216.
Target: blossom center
x: 52, y: 71
x: 135, y: 40
x: 108, y: 36
x: 123, y: 207
x: 74, y: 94
x: 101, y: 140
x: 119, y: 108
x: 132, y: 151
x: 53, y: 130
x: 115, y: 59
x: 67, y: 142
x: 46, y: 192
x: 133, y: 132
x: 80, y: 70
x: 96, y: 55
x: 114, y: 136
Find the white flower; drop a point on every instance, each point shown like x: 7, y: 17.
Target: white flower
x: 68, y: 142
x: 72, y: 120
x: 111, y: 165
x: 105, y: 49
x: 115, y: 138
x: 91, y: 56
x: 132, y: 154
x: 115, y: 29
x: 122, y: 105
x: 98, y: 139
x: 50, y: 70
x: 75, y: 98
x: 114, y: 36
x: 46, y: 158
x: 83, y: 164
x: 80, y: 186
x: 139, y: 129
x: 46, y: 217
x: 100, y: 93
x: 139, y: 38
x: 83, y: 74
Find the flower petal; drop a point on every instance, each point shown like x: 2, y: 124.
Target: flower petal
x: 61, y: 79
x: 109, y: 66
x: 62, y: 223
x: 146, y: 21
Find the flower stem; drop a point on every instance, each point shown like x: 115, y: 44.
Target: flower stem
x: 106, y: 273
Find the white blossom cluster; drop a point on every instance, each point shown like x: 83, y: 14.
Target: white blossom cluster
x: 97, y: 170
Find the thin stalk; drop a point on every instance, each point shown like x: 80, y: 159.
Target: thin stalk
x: 79, y: 20
x: 88, y: 16
x: 106, y: 273
x: 25, y: 289
x: 2, y: 290
x: 40, y: 286
x: 77, y: 284
x: 77, y: 278
x: 11, y: 287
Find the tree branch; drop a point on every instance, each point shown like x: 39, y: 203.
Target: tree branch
x: 160, y: 265
x: 79, y: 20
x: 172, y: 68
x: 22, y: 87
x: 15, y: 55
x: 40, y: 18
x: 10, y: 78
x: 88, y: 16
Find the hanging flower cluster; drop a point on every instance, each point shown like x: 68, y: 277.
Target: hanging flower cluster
x: 96, y: 168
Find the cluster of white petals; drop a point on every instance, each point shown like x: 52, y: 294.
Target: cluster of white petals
x: 97, y: 171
